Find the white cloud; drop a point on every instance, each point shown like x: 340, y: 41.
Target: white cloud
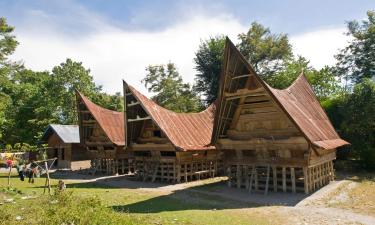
x: 320, y: 46
x: 113, y: 54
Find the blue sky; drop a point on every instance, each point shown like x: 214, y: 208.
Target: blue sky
x: 118, y: 39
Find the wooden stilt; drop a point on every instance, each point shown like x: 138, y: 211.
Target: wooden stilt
x: 293, y: 178
x: 251, y: 178
x: 305, y: 180
x: 256, y: 186
x: 284, y: 178
x: 246, y: 168
x: 267, y: 180
x: 274, y: 179
x: 239, y: 176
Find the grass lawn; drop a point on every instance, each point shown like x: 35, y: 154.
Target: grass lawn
x: 90, y: 203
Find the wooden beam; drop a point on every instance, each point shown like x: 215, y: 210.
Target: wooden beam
x: 267, y: 180
x: 133, y: 104
x: 241, y: 76
x: 274, y: 179
x: 284, y: 178
x: 139, y: 119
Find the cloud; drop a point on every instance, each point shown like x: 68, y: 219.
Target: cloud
x: 113, y: 54
x: 320, y: 46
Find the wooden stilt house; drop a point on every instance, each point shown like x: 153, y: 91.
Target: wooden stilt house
x: 102, y: 133
x: 168, y: 146
x: 280, y: 140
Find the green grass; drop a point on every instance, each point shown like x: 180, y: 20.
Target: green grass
x: 92, y: 203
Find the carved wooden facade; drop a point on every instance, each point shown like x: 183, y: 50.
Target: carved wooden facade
x: 166, y: 146
x: 271, y: 139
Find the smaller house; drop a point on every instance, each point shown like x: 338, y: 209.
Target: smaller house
x: 64, y: 144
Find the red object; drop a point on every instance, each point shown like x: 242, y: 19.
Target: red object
x: 9, y: 163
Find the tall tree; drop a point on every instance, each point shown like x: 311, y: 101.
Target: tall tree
x: 357, y: 60
x: 208, y: 60
x: 66, y: 78
x: 8, y: 41
x: 170, y: 91
x: 265, y: 51
x: 323, y: 81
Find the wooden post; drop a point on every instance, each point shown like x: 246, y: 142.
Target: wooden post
x: 247, y: 177
x: 293, y: 178
x: 284, y: 179
x: 332, y: 171
x: 251, y: 178
x: 239, y: 176
x: 274, y: 179
x: 306, y: 180
x: 48, y: 180
x: 256, y: 179
x: 186, y: 179
x: 267, y: 180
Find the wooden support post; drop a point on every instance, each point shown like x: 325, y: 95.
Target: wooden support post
x: 247, y: 177
x: 293, y: 178
x: 229, y: 174
x: 251, y: 178
x: 256, y: 179
x: 306, y: 180
x: 186, y: 179
x: 274, y: 179
x: 267, y: 180
x: 48, y: 179
x: 332, y: 171
x: 239, y: 176
x: 284, y: 179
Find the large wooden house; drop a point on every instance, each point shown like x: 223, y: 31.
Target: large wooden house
x: 102, y: 133
x: 168, y: 146
x: 271, y: 139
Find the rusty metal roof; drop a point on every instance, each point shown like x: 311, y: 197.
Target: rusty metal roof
x: 300, y: 102
x: 112, y: 122
x: 297, y: 101
x: 186, y: 131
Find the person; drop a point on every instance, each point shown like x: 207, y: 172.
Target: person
x: 20, y: 172
x: 32, y: 171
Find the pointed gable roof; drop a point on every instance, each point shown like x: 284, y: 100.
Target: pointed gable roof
x: 111, y: 122
x: 186, y: 131
x: 297, y: 101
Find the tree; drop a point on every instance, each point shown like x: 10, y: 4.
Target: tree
x: 265, y: 51
x: 358, y: 125
x: 322, y: 81
x: 8, y: 41
x: 357, y: 61
x: 208, y: 60
x: 65, y: 79
x: 170, y: 91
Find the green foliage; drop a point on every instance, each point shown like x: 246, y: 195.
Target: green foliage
x: 8, y: 41
x: 357, y: 60
x: 171, y: 92
x: 208, y: 60
x: 265, y: 51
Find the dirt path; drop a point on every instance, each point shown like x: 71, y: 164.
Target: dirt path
x: 297, y: 208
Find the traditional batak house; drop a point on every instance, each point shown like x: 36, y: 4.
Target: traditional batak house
x: 63, y: 144
x: 102, y: 133
x: 168, y: 146
x: 278, y: 139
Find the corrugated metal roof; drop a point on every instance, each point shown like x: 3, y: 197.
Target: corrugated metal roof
x: 67, y: 133
x: 298, y: 102
x: 186, y: 131
x: 112, y: 122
